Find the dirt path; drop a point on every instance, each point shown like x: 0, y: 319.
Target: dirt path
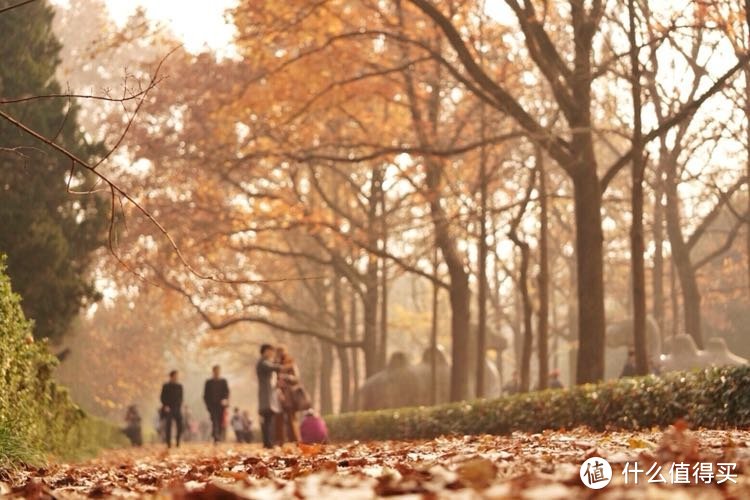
x: 544, y: 466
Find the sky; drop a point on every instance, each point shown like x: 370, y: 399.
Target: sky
x: 200, y: 24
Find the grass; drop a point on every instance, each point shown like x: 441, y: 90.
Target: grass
x: 14, y: 450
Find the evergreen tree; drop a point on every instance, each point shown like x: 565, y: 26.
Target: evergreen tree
x: 47, y: 234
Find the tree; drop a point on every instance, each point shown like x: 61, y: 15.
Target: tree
x: 48, y: 234
x: 636, y: 230
x: 698, y: 132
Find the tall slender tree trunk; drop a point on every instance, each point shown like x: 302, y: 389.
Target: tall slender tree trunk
x: 370, y: 301
x: 354, y: 352
x: 572, y: 315
x: 459, y: 292
x: 434, y: 330
x: 482, y: 271
x: 326, y: 372
x: 383, y: 338
x: 543, y: 277
x: 370, y: 318
x: 517, y: 326
x: 673, y: 294
x: 342, y: 353
x: 528, y: 334
x: 638, y: 266
x: 523, y: 285
x: 691, y: 298
x: 658, y: 271
x: 747, y: 147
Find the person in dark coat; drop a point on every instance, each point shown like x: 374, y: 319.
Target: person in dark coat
x: 629, y: 369
x: 133, y: 426
x: 268, y: 401
x: 216, y: 397
x: 171, y: 400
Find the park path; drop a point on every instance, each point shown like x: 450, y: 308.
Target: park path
x: 543, y: 465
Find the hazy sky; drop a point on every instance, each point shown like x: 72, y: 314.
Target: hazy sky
x: 200, y: 23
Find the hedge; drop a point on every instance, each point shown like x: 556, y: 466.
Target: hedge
x: 37, y: 416
x: 713, y: 398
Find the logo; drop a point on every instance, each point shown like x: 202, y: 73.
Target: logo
x: 596, y: 473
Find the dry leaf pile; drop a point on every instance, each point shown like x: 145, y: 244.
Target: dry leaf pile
x: 544, y: 466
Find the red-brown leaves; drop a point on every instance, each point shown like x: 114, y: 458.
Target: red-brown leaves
x: 522, y: 465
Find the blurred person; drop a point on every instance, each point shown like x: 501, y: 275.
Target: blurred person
x: 553, y: 381
x: 247, y: 424
x: 133, y: 426
x: 204, y: 430
x: 171, y: 400
x: 189, y: 425
x: 628, y: 370
x: 159, y: 425
x: 313, y: 429
x: 268, y: 401
x: 513, y: 385
x: 238, y: 426
x: 216, y: 397
x: 290, y: 395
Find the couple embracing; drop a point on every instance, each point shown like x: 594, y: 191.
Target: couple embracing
x: 280, y: 396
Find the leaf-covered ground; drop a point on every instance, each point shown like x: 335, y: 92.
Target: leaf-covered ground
x: 544, y: 466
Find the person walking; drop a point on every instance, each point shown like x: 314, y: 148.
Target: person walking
x: 268, y: 402
x: 171, y: 401
x: 216, y: 397
x: 286, y: 424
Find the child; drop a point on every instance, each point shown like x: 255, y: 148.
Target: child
x: 313, y: 429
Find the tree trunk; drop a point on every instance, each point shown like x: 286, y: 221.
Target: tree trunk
x: 658, y: 271
x: 543, y: 277
x: 383, y: 339
x: 517, y: 326
x: 588, y: 204
x: 434, y: 331
x: 482, y: 273
x: 326, y: 370
x: 370, y: 301
x: 674, y: 299
x: 354, y: 352
x: 459, y: 298
x: 590, y: 275
x: 370, y: 317
x: 747, y: 147
x: 459, y: 291
x: 638, y: 265
x: 528, y: 333
x: 342, y: 353
x: 691, y: 299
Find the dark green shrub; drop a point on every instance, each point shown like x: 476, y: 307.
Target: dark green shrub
x: 715, y: 398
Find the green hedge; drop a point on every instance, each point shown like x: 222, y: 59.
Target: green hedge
x: 37, y: 416
x: 715, y: 398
